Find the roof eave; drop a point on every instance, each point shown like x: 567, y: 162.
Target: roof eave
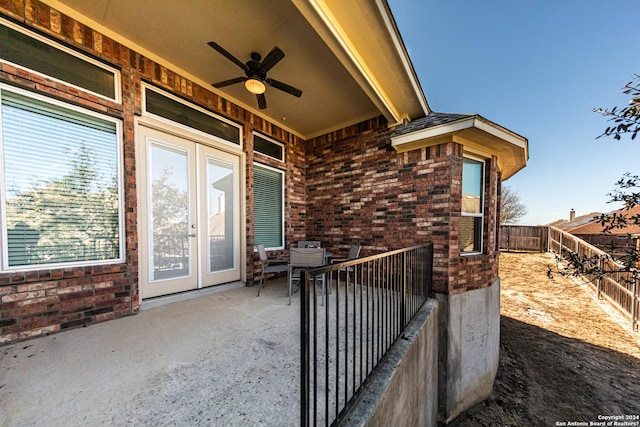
x: 392, y: 84
x: 476, y: 134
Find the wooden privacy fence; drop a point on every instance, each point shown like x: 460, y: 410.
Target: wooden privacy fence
x: 524, y: 238
x: 619, y: 288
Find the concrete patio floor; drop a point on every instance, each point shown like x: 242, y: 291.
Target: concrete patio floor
x: 222, y: 358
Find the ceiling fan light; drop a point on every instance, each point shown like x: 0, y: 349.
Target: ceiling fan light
x: 255, y: 86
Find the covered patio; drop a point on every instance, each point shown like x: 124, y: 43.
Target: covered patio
x: 202, y: 169
x: 201, y: 359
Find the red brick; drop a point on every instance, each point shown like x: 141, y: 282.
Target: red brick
x: 350, y: 179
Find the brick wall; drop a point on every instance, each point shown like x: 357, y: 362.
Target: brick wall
x: 360, y: 190
x: 343, y: 187
x: 40, y: 302
x: 44, y: 301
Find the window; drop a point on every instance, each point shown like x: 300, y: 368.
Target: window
x: 268, y: 147
x: 472, y: 206
x: 167, y: 106
x: 61, y: 186
x: 27, y: 49
x: 268, y: 206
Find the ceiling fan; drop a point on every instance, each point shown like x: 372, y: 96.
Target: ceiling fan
x: 256, y: 73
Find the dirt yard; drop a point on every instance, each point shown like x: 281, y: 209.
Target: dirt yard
x: 565, y: 359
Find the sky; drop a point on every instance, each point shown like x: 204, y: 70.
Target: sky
x: 537, y: 68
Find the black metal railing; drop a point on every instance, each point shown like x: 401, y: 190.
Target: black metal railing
x: 347, y: 330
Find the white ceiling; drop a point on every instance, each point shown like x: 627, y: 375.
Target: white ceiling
x: 176, y: 34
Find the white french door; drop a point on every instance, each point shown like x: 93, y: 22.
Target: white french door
x: 189, y: 214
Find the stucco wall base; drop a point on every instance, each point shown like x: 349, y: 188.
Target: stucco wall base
x: 403, y: 392
x: 469, y: 345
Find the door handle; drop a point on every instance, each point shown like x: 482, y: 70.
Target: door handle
x: 192, y: 235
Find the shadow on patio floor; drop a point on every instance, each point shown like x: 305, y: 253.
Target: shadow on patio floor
x: 226, y: 358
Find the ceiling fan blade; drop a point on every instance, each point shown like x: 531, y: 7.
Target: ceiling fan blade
x: 227, y: 55
x: 262, y: 101
x: 230, y: 82
x: 284, y: 87
x: 272, y: 58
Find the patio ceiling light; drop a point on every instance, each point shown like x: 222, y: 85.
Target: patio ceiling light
x: 255, y: 86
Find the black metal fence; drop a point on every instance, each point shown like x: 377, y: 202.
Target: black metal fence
x: 347, y: 330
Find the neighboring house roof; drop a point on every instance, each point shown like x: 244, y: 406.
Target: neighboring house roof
x: 471, y: 130
x: 576, y: 222
x: 596, y: 227
x: 590, y: 223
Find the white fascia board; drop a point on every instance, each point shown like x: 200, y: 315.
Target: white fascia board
x: 506, y: 145
x: 402, y: 51
x: 468, y: 123
x: 319, y: 15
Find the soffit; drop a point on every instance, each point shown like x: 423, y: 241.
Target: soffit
x: 350, y: 67
x: 474, y: 132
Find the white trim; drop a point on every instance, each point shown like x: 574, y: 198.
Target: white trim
x: 120, y: 174
x: 283, y: 173
x: 402, y: 52
x: 475, y: 154
x: 199, y: 142
x: 263, y: 136
x: 349, y: 56
x: 462, y: 124
x: 116, y: 73
x: 194, y: 107
x: 480, y: 214
x: 185, y: 132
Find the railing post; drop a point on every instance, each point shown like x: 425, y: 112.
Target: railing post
x: 304, y: 352
x: 403, y: 304
x: 430, y: 271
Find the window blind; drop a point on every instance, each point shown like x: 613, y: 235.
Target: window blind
x: 268, y: 207
x: 61, y: 184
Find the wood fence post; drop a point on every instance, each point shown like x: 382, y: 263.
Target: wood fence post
x: 634, y: 306
x: 600, y: 276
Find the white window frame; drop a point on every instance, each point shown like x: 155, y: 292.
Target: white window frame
x: 4, y: 254
x: 273, y: 141
x: 283, y: 174
x: 481, y: 213
x: 116, y: 73
x: 145, y: 87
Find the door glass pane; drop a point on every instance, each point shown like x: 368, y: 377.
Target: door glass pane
x: 169, y: 212
x: 220, y: 215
